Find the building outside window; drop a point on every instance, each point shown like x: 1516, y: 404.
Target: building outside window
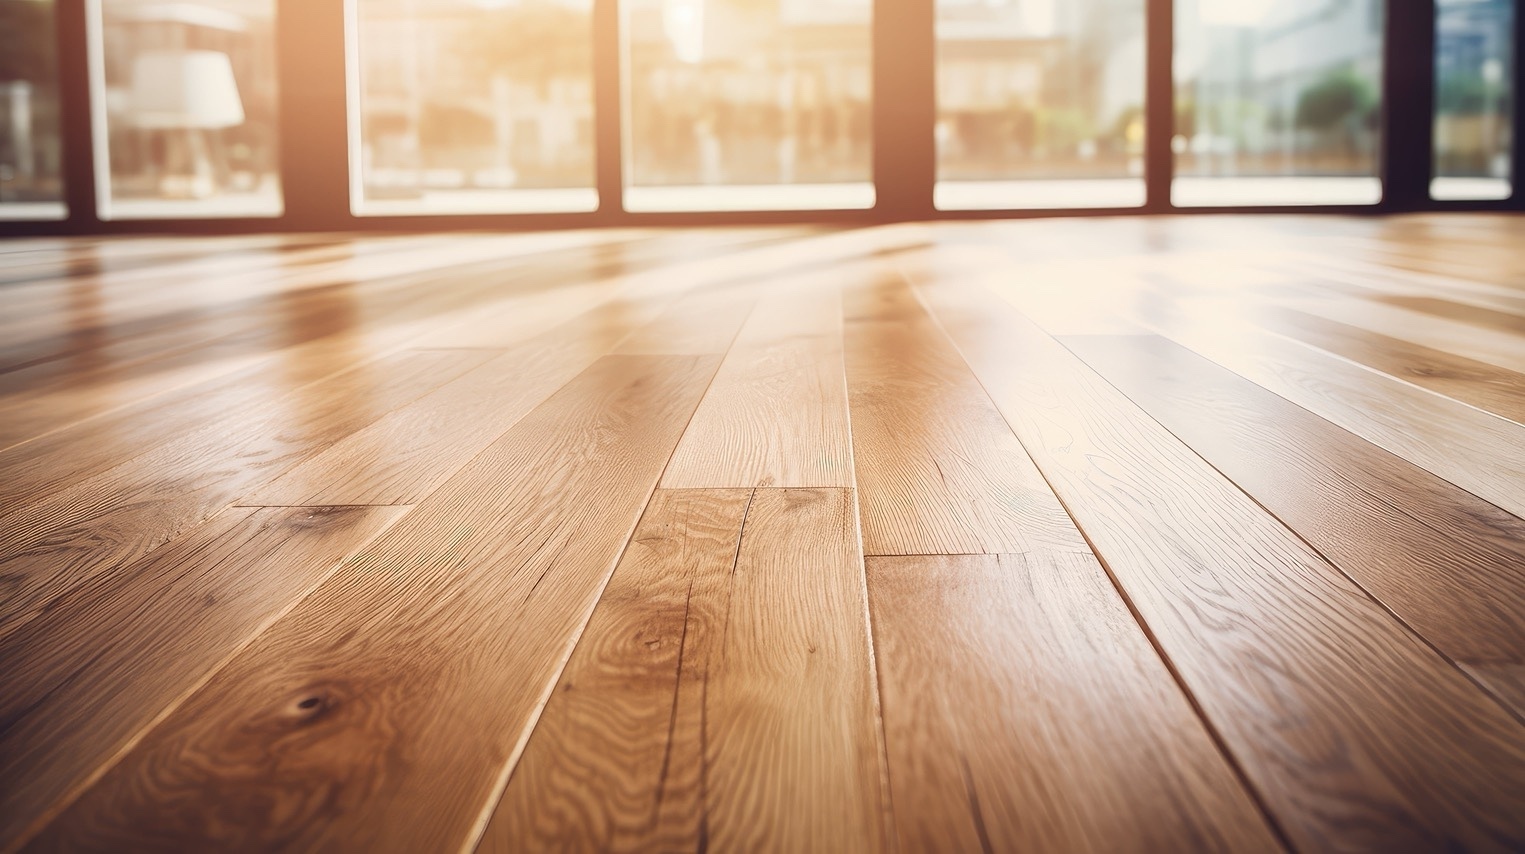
x: 1474, y: 113
x: 1278, y: 102
x: 31, y: 150
x: 473, y: 106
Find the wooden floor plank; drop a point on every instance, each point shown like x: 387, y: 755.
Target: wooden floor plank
x: 1473, y: 449
x: 1479, y: 384
x: 777, y: 414
x: 1481, y: 344
x: 1448, y: 563
x: 939, y: 471
x: 1026, y: 711
x: 403, y: 457
x: 1354, y: 732
x: 106, y: 522
x: 379, y: 714
x: 792, y: 744
x: 103, y: 662
x: 617, y: 759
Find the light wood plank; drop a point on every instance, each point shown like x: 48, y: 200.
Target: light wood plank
x: 939, y: 471
x: 1005, y: 678
x: 106, y: 661
x: 1449, y: 564
x: 1479, y: 384
x: 411, y: 451
x: 1354, y: 732
x: 106, y: 522
x: 1473, y: 449
x: 380, y: 714
x: 617, y: 759
x: 777, y: 413
x: 792, y: 743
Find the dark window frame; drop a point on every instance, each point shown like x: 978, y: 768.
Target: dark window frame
x: 314, y: 157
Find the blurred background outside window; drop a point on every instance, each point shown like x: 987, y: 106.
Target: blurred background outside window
x: 1040, y: 103
x: 1278, y: 102
x: 474, y: 106
x: 748, y: 104
x: 185, y: 103
x: 31, y: 153
x: 1474, y: 70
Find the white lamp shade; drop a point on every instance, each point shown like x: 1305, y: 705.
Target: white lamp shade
x: 185, y: 89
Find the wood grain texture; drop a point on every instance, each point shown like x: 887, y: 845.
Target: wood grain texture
x: 1479, y: 384
x: 83, y: 680
x: 407, y: 454
x: 1475, y: 450
x: 617, y: 759
x: 1354, y: 732
x: 1451, y: 565
x: 939, y: 471
x: 792, y: 743
x: 380, y: 713
x: 1500, y: 349
x: 108, y: 521
x: 777, y: 413
x: 1026, y: 711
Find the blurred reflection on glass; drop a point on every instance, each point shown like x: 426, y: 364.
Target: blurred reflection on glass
x: 1278, y: 101
x: 185, y: 108
x: 31, y: 183
x: 748, y: 104
x: 1040, y: 103
x: 473, y: 106
x: 1474, y: 70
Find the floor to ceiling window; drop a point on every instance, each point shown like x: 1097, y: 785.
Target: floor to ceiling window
x: 184, y: 96
x: 1040, y: 103
x: 472, y: 106
x: 31, y: 152
x: 748, y: 104
x: 1278, y: 102
x: 1474, y: 113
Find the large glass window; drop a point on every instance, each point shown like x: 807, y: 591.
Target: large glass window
x: 472, y: 106
x: 748, y: 104
x: 185, y: 106
x: 1278, y: 102
x: 1040, y: 103
x: 31, y: 184
x: 1474, y: 73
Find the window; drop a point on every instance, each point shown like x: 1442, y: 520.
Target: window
x: 472, y: 106
x: 185, y: 106
x: 31, y: 154
x: 748, y: 104
x: 1040, y: 103
x: 1278, y: 102
x: 1474, y: 69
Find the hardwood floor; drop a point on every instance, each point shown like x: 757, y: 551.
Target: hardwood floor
x: 1195, y: 533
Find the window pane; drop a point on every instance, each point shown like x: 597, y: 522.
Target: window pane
x: 748, y: 104
x: 1040, y: 103
x: 1278, y: 102
x: 31, y: 170
x: 185, y: 108
x: 1474, y: 70
x: 474, y: 106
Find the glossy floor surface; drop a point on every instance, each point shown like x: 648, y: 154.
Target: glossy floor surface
x: 1095, y: 534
